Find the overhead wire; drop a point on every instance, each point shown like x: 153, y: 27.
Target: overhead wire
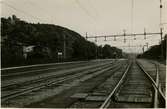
x: 132, y: 7
x: 94, y: 9
x: 81, y: 6
x: 87, y: 13
x: 40, y: 8
x: 21, y: 11
x: 132, y: 20
x: 84, y: 9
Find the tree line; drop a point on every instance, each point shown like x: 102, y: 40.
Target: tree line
x: 48, y: 40
x: 155, y: 52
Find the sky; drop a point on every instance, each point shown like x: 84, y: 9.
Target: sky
x: 96, y: 17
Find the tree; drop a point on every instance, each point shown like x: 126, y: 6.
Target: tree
x: 17, y: 33
x: 154, y: 52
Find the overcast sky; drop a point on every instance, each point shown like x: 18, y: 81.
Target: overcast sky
x: 96, y: 17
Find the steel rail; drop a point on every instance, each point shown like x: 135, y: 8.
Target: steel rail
x: 15, y: 94
x: 52, y: 76
x: 26, y: 72
x: 157, y: 69
x: 40, y: 65
x: 156, y: 92
x: 155, y: 84
x: 43, y: 69
x: 106, y: 102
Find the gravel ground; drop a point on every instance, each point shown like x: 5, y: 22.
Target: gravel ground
x: 45, y: 93
x: 83, y: 85
x: 162, y: 71
x: 30, y: 78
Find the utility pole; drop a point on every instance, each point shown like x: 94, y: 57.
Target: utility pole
x: 147, y: 45
x: 161, y: 45
x: 124, y: 35
x: 86, y: 35
x: 64, y: 47
x: 96, y: 47
x: 161, y: 31
x: 96, y: 51
x: 144, y: 33
x: 143, y: 49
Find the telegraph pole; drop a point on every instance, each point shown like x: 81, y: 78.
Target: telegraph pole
x: 147, y: 45
x: 124, y: 35
x: 161, y: 31
x: 86, y: 35
x: 64, y: 47
x: 162, y: 54
x: 96, y: 47
x: 143, y: 49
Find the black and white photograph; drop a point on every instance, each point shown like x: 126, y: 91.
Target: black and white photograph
x: 83, y: 53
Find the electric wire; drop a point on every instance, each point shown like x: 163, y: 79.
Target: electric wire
x: 41, y: 9
x: 84, y: 9
x: 21, y: 11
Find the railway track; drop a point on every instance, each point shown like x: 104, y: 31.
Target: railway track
x: 14, y: 82
x: 95, y: 97
x: 159, y: 96
x: 30, y: 71
x: 139, y: 90
x: 70, y: 97
x: 121, y: 86
x: 134, y: 88
x: 161, y: 73
x: 39, y: 83
x: 31, y: 87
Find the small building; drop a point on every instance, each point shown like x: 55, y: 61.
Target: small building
x: 36, y: 50
x: 27, y: 49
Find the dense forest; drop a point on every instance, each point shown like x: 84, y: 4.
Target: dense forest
x: 24, y: 43
x: 154, y: 52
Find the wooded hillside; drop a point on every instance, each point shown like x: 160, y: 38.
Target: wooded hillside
x: 44, y: 42
x: 154, y: 52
